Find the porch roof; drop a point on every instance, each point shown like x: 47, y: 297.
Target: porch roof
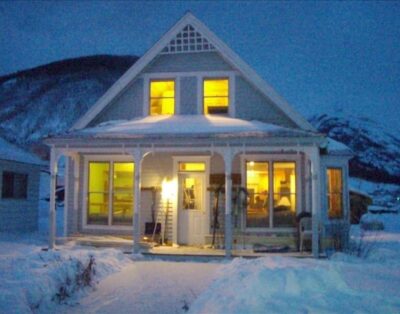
x: 187, y: 126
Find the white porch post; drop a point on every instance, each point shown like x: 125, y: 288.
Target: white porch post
x: 315, y: 198
x: 52, y: 206
x: 137, y: 157
x: 228, y: 157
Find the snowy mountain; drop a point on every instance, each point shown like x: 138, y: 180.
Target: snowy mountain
x: 47, y: 100
x: 377, y: 152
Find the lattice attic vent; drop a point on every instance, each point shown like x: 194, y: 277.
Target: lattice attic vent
x: 188, y: 40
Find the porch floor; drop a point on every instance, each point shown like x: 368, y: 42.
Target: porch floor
x: 168, y: 251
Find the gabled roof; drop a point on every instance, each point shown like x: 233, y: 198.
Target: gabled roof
x: 226, y: 53
x: 11, y: 152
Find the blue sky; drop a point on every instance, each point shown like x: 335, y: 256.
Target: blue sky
x: 321, y: 56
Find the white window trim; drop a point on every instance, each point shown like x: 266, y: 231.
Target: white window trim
x: 271, y: 159
x: 200, y: 76
x: 95, y: 158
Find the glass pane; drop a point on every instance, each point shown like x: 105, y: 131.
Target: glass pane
x: 284, y: 194
x: 162, y: 97
x: 123, y: 182
x: 334, y: 185
x: 192, y: 191
x: 257, y: 187
x: 192, y: 166
x: 98, y: 193
x: 216, y: 105
x: 160, y: 89
x: 97, y: 209
x: 216, y: 87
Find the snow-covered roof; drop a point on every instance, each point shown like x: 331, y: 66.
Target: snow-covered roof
x: 335, y: 147
x: 188, y: 126
x: 11, y: 152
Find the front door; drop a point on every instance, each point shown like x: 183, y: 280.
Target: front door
x: 191, y: 208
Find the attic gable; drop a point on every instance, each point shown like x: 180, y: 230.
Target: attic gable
x: 188, y: 39
x: 168, y: 44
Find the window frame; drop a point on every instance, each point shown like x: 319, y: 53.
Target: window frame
x: 328, y: 194
x: 149, y: 98
x: 111, y: 159
x: 25, y: 193
x: 271, y: 159
x: 203, y: 97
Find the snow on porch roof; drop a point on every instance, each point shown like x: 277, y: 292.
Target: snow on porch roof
x: 188, y: 126
x: 11, y: 152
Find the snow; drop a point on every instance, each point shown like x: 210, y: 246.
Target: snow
x: 337, y: 147
x: 185, y: 125
x: 31, y: 278
x: 382, y: 194
x: 150, y: 286
x: 365, y: 281
x: 11, y: 152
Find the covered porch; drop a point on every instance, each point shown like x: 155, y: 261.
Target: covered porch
x: 225, y: 191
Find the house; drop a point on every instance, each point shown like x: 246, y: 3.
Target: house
x: 19, y: 186
x: 191, y: 120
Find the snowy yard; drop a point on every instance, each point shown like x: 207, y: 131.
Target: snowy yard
x: 33, y: 280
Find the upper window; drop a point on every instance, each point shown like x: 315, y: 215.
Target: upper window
x: 334, y: 192
x: 15, y: 185
x: 162, y: 97
x: 216, y: 96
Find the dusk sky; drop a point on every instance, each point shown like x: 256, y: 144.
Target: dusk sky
x: 320, y: 56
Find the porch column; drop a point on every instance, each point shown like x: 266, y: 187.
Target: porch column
x: 52, y: 206
x: 228, y: 157
x: 315, y: 199
x: 137, y: 157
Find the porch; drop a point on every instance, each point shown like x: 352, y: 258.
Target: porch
x: 183, y: 252
x: 227, y: 189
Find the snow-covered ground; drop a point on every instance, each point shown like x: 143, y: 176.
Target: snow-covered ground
x: 365, y: 280
x: 33, y: 280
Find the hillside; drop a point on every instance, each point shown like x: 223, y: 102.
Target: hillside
x: 377, y: 152
x: 47, y: 100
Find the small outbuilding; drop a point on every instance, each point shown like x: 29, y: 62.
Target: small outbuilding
x: 359, y: 202
x: 19, y: 188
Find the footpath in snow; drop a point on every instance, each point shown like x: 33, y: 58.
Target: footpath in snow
x: 149, y: 287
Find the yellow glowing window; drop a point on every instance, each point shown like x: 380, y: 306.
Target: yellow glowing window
x: 110, y: 193
x: 334, y: 192
x: 216, y: 96
x: 192, y: 166
x: 162, y: 97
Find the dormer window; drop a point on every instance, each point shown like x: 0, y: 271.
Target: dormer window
x: 162, y: 97
x: 216, y: 95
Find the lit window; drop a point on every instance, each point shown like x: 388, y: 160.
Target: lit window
x: 162, y: 97
x: 334, y: 192
x: 103, y: 192
x: 192, y: 166
x: 257, y: 188
x: 284, y: 194
x: 271, y: 188
x: 15, y: 185
x: 216, y: 96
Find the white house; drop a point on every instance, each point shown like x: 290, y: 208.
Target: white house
x: 188, y: 117
x: 19, y: 188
